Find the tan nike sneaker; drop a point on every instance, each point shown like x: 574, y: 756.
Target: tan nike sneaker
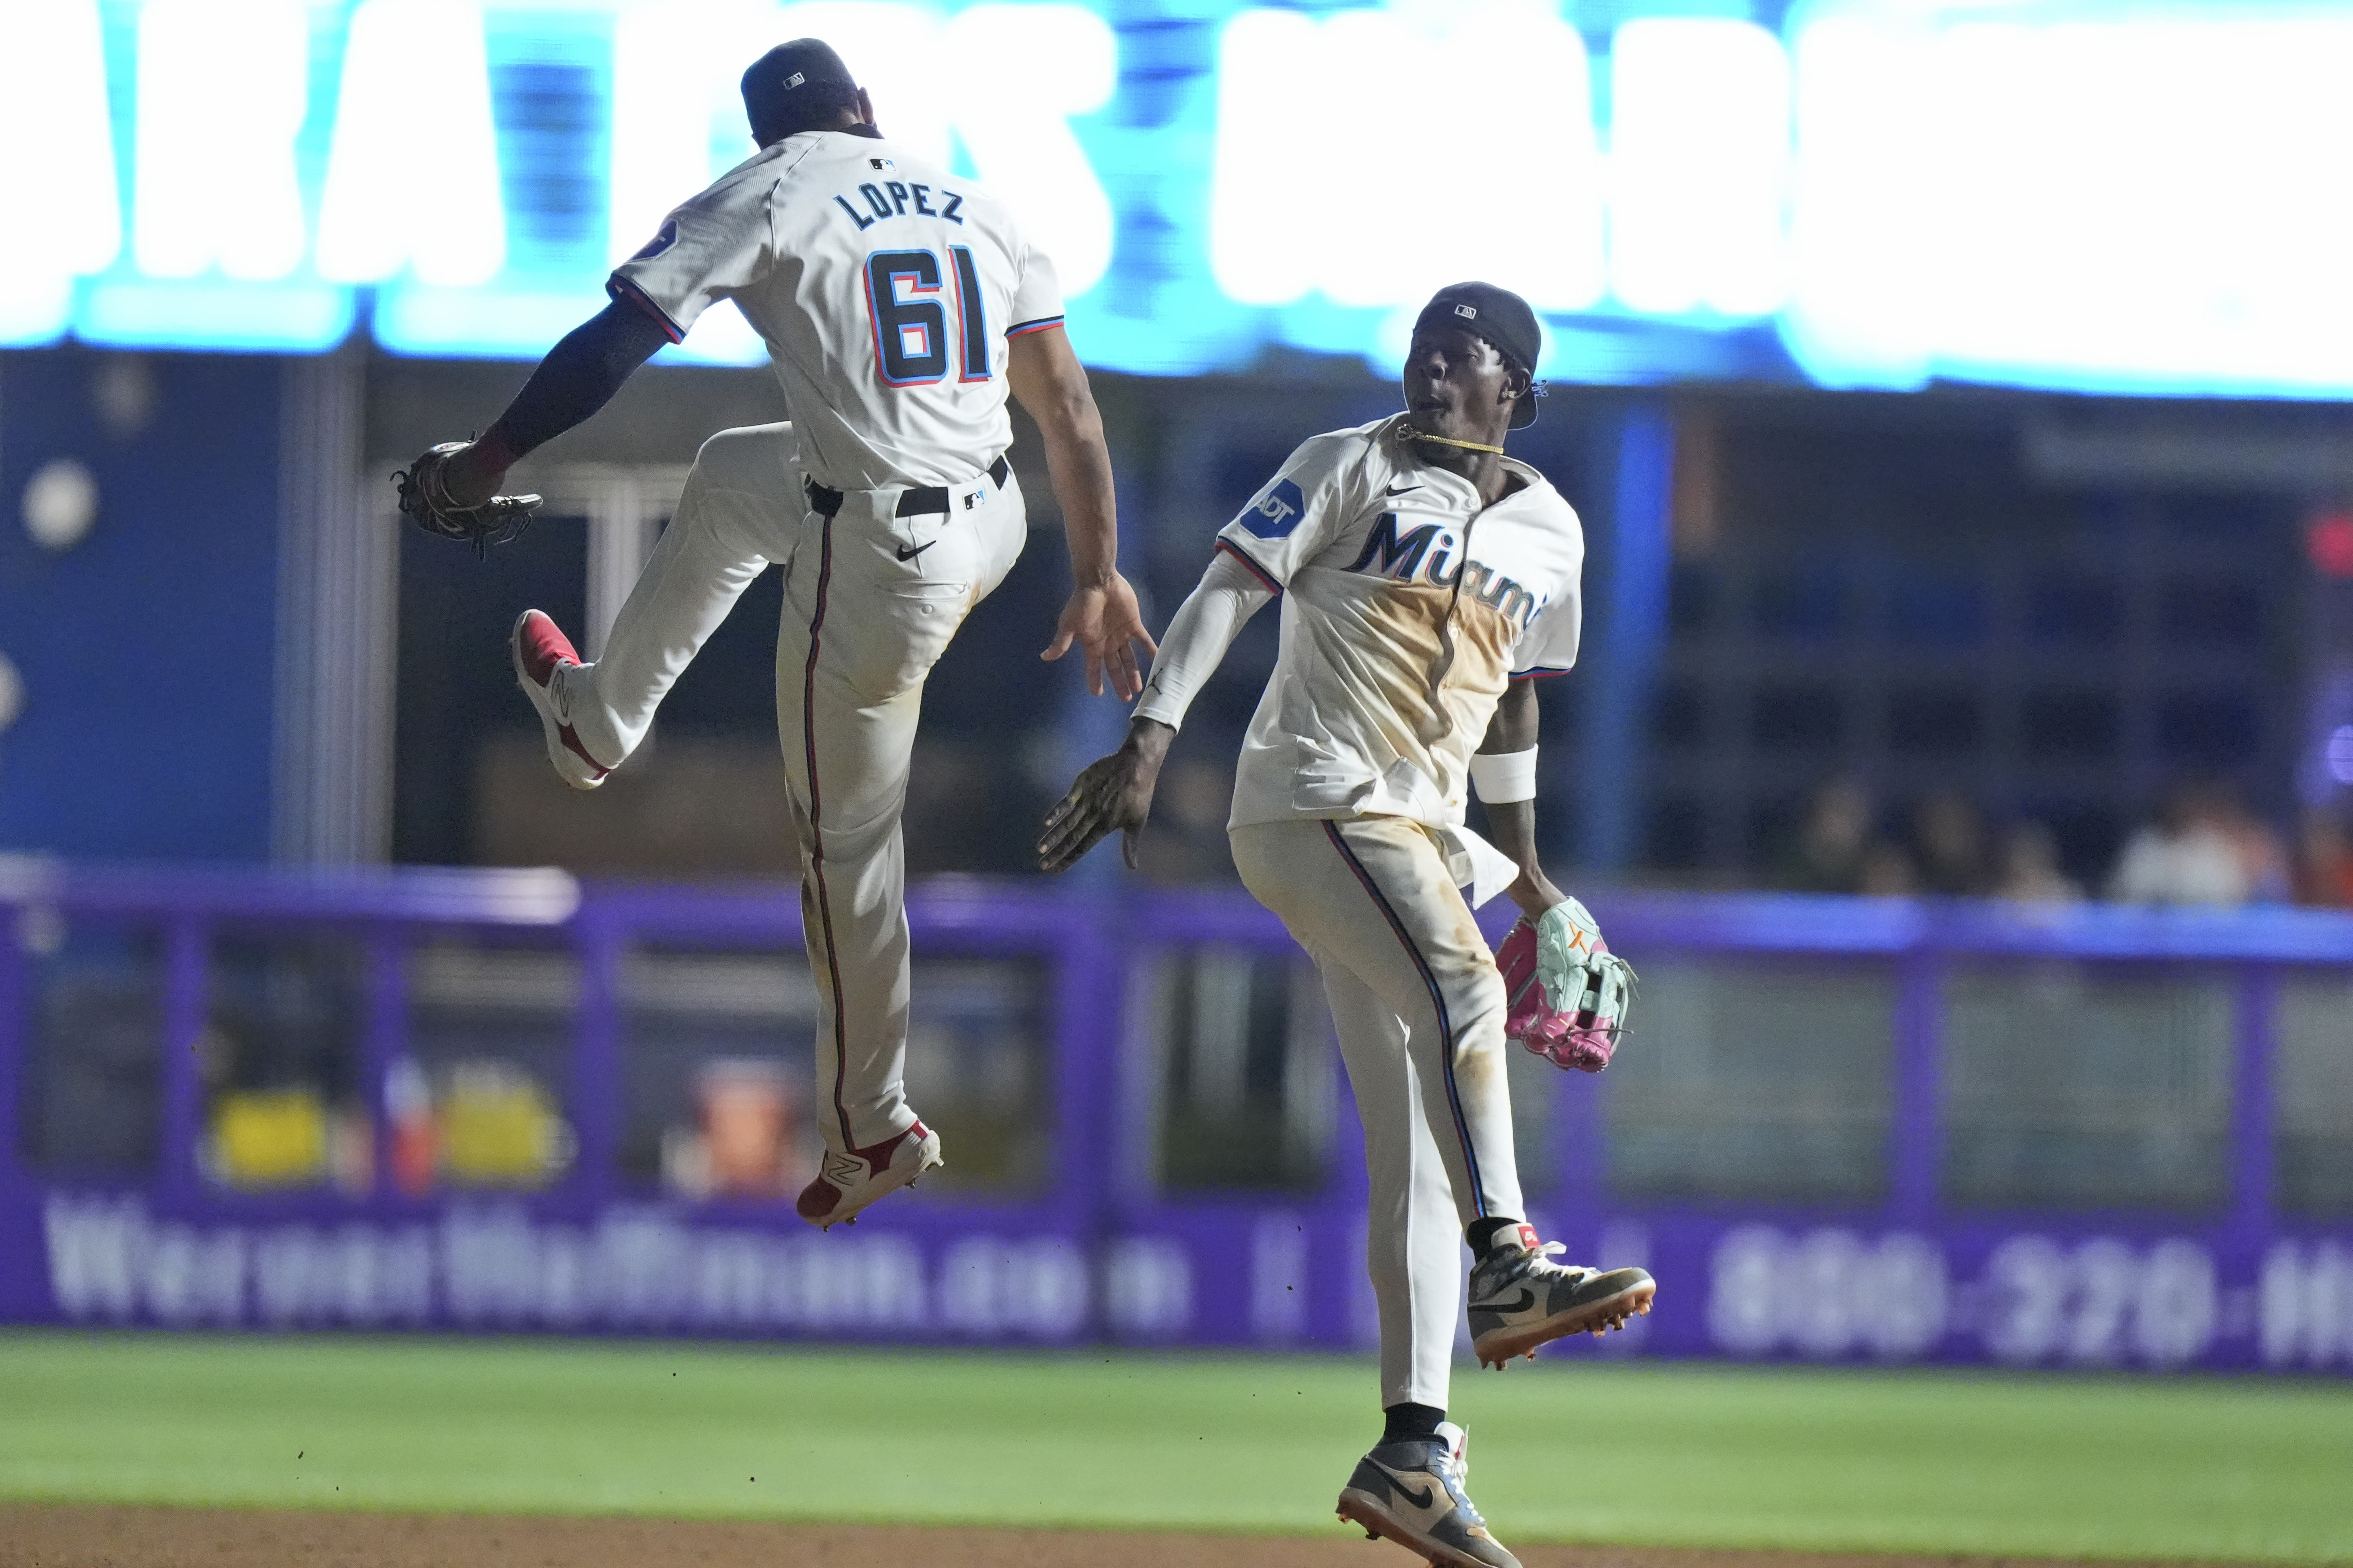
x: 1412, y: 1493
x: 1521, y: 1298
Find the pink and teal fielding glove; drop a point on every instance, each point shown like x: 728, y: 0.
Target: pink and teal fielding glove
x: 1565, y: 992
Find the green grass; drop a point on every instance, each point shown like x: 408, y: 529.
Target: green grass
x: 1650, y: 1454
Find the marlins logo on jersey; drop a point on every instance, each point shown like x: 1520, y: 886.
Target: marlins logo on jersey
x: 1407, y: 607
x: 1428, y: 553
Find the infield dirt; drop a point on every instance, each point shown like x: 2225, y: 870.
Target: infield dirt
x: 36, y: 1535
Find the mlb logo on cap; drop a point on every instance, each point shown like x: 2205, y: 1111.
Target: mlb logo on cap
x: 1501, y: 317
x: 794, y: 79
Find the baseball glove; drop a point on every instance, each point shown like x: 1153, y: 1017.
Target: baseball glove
x: 1565, y: 992
x: 425, y: 495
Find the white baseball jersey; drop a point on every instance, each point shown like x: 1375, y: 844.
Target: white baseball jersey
x: 1407, y: 605
x: 886, y: 288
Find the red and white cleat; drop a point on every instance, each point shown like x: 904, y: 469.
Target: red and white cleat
x: 851, y: 1181
x: 540, y: 651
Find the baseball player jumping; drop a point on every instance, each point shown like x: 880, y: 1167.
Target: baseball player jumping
x: 1426, y: 580
x: 900, y: 303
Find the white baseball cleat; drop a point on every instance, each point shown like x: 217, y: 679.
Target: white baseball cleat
x: 850, y: 1181
x: 1521, y: 1298
x: 1412, y: 1492
x: 541, y: 650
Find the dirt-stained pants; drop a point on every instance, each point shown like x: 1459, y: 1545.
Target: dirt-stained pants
x: 872, y: 599
x: 1419, y: 1005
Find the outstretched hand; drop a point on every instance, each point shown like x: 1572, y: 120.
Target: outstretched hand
x: 1106, y: 624
x: 1113, y: 793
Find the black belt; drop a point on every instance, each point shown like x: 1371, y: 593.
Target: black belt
x: 914, y: 502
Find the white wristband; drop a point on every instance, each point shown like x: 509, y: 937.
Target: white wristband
x: 1502, y: 777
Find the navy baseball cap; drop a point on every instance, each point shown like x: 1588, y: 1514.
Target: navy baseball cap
x: 793, y: 85
x: 1501, y: 317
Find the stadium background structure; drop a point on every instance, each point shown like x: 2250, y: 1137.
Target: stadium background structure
x: 1092, y: 1250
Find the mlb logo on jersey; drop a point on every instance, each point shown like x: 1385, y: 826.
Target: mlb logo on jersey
x: 1275, y: 513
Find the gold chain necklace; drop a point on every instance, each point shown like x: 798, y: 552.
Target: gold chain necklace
x: 1408, y: 433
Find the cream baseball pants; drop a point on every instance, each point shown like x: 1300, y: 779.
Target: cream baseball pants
x: 1419, y: 1005
x: 871, y: 598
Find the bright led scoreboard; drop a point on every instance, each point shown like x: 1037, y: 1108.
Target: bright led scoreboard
x: 2149, y: 197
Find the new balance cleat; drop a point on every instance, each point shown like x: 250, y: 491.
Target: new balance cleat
x: 1521, y: 1298
x: 850, y: 1181
x: 542, y: 652
x: 1412, y: 1492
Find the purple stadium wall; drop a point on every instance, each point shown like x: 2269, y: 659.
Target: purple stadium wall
x: 1091, y: 1254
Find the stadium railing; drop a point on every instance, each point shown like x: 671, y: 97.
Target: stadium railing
x: 1876, y: 1130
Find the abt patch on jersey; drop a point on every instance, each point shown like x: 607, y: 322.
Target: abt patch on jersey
x: 1276, y: 513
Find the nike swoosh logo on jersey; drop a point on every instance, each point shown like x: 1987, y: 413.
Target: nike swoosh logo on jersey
x: 1418, y: 1498
x: 907, y: 554
x: 1400, y: 490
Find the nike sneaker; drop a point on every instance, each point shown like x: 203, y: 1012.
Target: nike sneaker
x: 1412, y: 1493
x: 1521, y: 1298
x: 541, y: 653
x: 850, y: 1180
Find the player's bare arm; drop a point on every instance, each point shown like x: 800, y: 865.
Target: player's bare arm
x: 1102, y: 615
x: 1568, y: 993
x: 1512, y: 825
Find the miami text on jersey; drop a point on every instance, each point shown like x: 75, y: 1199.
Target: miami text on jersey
x: 894, y: 198
x: 1427, y: 554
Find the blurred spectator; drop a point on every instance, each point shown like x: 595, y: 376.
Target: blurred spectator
x: 1886, y: 872
x: 1951, y: 839
x: 2262, y: 858
x: 2324, y: 861
x: 1838, y: 849
x: 2193, y: 853
x: 1827, y: 854
x: 2029, y: 871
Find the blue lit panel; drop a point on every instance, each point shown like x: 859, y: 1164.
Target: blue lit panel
x: 2140, y: 197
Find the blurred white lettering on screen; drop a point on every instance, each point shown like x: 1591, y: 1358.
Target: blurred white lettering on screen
x: 408, y: 189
